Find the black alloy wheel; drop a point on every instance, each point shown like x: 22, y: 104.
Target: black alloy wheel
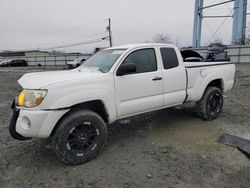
x: 82, y: 137
x: 79, y: 136
x: 211, y: 104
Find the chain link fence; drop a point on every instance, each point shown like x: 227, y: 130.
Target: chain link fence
x: 237, y: 54
x: 47, y: 60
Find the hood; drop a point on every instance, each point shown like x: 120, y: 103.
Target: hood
x: 39, y: 80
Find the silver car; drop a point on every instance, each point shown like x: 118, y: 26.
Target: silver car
x: 76, y: 62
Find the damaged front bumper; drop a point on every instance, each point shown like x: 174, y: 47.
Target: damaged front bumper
x: 12, y: 126
x: 28, y: 123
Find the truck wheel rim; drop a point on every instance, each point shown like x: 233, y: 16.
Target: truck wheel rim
x: 214, y: 104
x: 82, y: 137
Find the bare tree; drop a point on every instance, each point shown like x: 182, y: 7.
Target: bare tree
x: 177, y: 42
x: 162, y: 38
x: 165, y: 38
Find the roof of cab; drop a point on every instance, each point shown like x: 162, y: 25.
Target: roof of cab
x: 131, y: 46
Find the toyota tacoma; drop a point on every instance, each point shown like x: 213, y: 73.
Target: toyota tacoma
x: 73, y: 107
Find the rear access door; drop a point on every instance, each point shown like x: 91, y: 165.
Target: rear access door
x: 174, y: 77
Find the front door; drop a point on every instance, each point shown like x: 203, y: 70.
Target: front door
x: 143, y: 90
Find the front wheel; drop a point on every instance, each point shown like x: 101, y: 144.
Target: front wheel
x: 79, y: 137
x: 211, y: 104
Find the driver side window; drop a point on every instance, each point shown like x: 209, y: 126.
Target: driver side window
x: 144, y: 60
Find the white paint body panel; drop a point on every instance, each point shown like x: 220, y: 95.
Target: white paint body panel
x: 137, y: 93
x: 200, y: 77
x: 133, y: 96
x: 37, y: 123
x: 122, y: 96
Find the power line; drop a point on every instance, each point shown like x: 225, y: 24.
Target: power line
x: 62, y: 30
x: 75, y: 44
x: 88, y: 36
x: 74, y: 27
x: 101, y: 36
x: 31, y: 47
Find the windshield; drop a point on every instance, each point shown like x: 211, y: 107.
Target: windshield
x: 103, y: 60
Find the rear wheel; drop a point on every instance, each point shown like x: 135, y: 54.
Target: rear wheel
x: 211, y: 104
x: 79, y: 137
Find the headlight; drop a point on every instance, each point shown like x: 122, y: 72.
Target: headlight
x: 31, y: 98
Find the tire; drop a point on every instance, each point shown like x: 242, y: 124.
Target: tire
x: 211, y: 104
x: 79, y: 137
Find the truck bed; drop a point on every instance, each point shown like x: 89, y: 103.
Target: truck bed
x: 205, y: 64
x: 198, y: 71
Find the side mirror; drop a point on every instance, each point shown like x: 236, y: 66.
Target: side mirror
x: 126, y: 68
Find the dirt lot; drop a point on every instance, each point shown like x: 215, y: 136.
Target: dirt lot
x: 167, y: 148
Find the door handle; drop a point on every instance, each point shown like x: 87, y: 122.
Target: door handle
x: 157, y: 78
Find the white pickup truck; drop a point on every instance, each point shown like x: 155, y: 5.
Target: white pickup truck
x: 73, y: 107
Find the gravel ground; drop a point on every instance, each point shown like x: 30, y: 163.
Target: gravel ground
x: 167, y: 148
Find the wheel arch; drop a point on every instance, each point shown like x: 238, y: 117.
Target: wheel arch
x: 96, y: 106
x: 216, y: 82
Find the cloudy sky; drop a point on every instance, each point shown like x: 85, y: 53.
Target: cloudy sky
x: 45, y: 24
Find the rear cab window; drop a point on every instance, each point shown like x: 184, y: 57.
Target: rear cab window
x: 169, y: 58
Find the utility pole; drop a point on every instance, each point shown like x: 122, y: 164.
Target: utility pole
x: 110, y: 33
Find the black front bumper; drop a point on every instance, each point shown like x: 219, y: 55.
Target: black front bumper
x: 12, y: 126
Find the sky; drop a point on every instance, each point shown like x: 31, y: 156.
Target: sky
x: 47, y: 24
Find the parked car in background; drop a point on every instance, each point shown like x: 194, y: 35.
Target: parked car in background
x: 4, y: 63
x: 76, y: 63
x: 216, y: 54
x: 13, y: 63
x: 191, y: 56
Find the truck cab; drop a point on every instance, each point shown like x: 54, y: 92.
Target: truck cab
x: 161, y: 80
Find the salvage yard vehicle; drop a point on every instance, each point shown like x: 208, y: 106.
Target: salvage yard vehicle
x: 216, y: 54
x: 73, y: 107
x: 211, y: 55
x: 76, y: 63
x: 14, y: 63
x: 4, y: 63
